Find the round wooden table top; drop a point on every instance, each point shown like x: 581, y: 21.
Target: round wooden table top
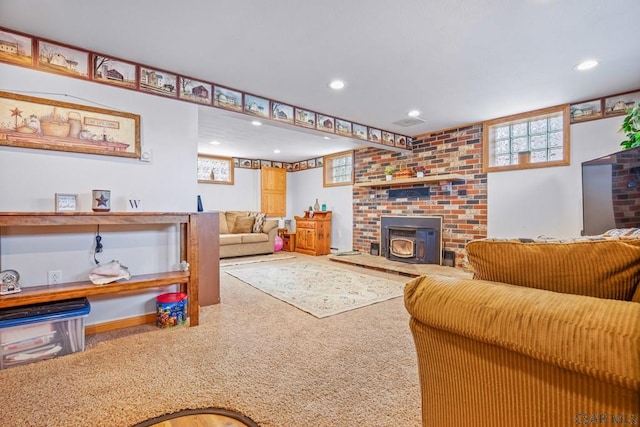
x: 200, y: 418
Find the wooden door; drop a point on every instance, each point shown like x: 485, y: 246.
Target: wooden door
x: 273, y: 188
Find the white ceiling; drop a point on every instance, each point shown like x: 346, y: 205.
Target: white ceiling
x: 456, y: 61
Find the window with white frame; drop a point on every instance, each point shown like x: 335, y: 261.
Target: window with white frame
x: 338, y: 169
x: 530, y: 140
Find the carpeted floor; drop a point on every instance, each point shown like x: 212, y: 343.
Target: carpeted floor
x: 319, y: 289
x: 252, y: 353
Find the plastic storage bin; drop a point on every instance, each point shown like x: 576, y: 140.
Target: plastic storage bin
x: 171, y: 309
x: 42, y: 331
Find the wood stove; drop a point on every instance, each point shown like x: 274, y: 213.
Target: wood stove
x: 416, y: 240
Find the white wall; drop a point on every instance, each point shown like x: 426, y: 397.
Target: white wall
x: 304, y: 187
x: 548, y: 201
x: 29, y: 179
x: 243, y: 195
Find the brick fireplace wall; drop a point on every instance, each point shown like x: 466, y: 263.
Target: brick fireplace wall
x: 462, y: 204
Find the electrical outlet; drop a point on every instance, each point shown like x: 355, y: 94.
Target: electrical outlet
x: 54, y: 277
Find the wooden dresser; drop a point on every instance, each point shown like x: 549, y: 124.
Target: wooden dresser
x: 313, y: 233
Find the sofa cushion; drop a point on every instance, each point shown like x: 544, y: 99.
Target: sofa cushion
x: 231, y: 218
x: 259, y: 222
x: 230, y: 239
x: 222, y: 219
x: 243, y: 224
x: 254, y: 237
x: 604, y: 267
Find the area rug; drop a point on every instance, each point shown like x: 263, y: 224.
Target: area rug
x: 318, y: 289
x: 253, y: 259
x: 209, y: 416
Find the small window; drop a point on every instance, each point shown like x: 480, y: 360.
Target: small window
x: 530, y: 140
x: 215, y: 170
x: 338, y: 169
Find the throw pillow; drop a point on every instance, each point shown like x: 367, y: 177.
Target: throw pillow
x: 243, y: 224
x: 259, y: 222
x: 222, y: 219
x: 602, y: 268
x: 231, y: 216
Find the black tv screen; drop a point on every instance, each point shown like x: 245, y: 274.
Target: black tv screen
x: 611, y: 192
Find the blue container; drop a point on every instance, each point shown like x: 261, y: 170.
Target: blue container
x: 40, y: 332
x: 171, y: 309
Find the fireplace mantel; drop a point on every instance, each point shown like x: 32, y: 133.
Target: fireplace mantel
x: 404, y: 181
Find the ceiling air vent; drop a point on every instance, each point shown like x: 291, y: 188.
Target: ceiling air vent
x: 411, y: 121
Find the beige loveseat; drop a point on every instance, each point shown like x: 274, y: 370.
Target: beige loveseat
x: 547, y: 333
x: 246, y: 233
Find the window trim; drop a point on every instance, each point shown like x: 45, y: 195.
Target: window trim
x: 566, y: 125
x: 229, y: 160
x: 327, y: 166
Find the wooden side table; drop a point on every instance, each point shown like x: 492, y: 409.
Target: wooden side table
x: 289, y: 242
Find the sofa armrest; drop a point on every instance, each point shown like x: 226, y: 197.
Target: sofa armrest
x: 592, y: 336
x: 270, y: 226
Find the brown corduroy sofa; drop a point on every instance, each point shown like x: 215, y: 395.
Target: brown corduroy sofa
x: 547, y: 333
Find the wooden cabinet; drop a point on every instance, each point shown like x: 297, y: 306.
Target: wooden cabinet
x: 288, y: 242
x: 313, y: 233
x: 198, y: 246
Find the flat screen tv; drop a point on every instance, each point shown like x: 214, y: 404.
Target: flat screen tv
x: 611, y: 192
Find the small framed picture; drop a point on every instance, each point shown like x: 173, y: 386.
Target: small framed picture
x: 157, y: 81
x: 194, y: 90
x: 387, y: 138
x: 305, y: 118
x: 375, y: 135
x: 256, y: 105
x: 63, y: 60
x: 227, y: 98
x: 359, y: 131
x: 114, y: 71
x: 67, y: 202
x: 343, y: 127
x: 618, y: 105
x: 16, y: 48
x: 586, y: 111
x: 282, y: 112
x: 326, y: 123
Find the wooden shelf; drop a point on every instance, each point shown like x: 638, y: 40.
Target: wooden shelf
x: 62, y: 291
x: 198, y: 246
x: 405, y: 181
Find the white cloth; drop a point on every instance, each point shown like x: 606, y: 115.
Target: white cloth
x: 109, y: 272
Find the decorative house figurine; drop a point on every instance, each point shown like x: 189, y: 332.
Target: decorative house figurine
x: 9, y: 282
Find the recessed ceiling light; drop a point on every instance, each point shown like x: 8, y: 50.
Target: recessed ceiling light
x: 276, y: 151
x: 336, y: 84
x: 586, y: 65
x: 413, y: 113
x: 214, y: 142
x: 256, y: 123
x: 326, y: 137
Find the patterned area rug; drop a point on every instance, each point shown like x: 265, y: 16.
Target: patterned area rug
x: 253, y: 259
x: 318, y: 289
